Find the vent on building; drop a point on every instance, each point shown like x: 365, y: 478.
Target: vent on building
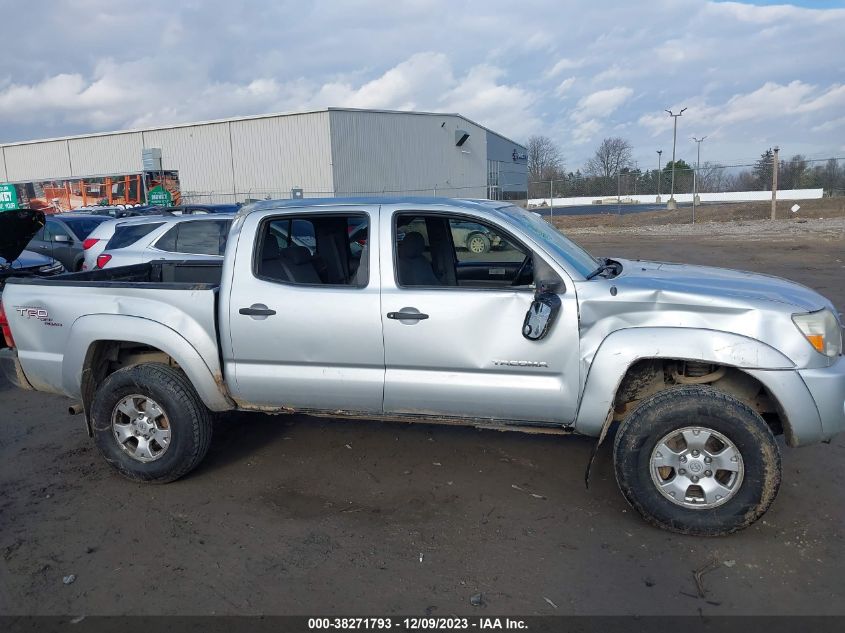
x: 461, y: 137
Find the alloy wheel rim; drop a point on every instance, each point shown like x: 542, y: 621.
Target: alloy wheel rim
x: 476, y: 245
x: 141, y: 428
x: 696, y: 467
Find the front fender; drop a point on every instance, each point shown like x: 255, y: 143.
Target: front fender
x: 207, y: 380
x: 622, y: 348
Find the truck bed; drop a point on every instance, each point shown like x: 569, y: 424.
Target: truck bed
x: 174, y: 275
x: 53, y: 319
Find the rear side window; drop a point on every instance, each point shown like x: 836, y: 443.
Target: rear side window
x: 196, y: 238
x: 320, y: 249
x: 127, y: 235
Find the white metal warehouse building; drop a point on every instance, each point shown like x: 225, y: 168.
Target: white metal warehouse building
x: 330, y: 152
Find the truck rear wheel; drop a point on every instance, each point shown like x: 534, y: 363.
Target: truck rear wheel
x: 696, y: 461
x: 150, y: 424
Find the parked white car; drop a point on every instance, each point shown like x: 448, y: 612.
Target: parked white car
x: 96, y: 241
x: 201, y: 237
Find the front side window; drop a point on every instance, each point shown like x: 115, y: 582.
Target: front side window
x: 52, y: 229
x: 443, y: 251
x: 314, y: 250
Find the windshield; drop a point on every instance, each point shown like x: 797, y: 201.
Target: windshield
x: 542, y: 231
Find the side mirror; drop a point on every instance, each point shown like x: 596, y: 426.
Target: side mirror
x: 543, y: 311
x: 61, y: 238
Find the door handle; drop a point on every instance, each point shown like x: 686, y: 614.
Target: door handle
x: 407, y: 316
x: 257, y: 310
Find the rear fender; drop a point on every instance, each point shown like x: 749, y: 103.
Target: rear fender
x: 205, y: 374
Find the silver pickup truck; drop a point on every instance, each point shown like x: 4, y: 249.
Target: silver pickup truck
x: 374, y: 309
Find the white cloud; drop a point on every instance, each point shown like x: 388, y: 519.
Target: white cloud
x: 601, y: 103
x: 562, y: 65
x: 564, y: 86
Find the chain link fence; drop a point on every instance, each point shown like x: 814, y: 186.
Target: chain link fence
x: 713, y: 192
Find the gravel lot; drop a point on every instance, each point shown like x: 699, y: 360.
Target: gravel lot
x: 309, y: 516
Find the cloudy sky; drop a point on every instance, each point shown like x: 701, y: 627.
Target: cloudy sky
x: 751, y: 75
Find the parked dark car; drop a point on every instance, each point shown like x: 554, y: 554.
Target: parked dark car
x: 63, y: 237
x: 16, y: 229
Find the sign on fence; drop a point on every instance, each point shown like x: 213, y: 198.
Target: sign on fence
x: 8, y: 198
x: 160, y: 197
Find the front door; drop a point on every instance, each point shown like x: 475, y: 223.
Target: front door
x: 455, y: 292
x: 304, y: 312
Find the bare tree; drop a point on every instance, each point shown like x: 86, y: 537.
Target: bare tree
x: 544, y: 164
x: 712, y: 177
x: 612, y: 156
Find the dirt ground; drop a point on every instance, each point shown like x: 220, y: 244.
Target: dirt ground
x: 305, y: 516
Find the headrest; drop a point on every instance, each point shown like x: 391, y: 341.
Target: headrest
x: 412, y: 245
x: 296, y: 254
x: 271, y: 247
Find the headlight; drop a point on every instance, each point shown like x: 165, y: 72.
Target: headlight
x: 53, y: 268
x: 822, y: 330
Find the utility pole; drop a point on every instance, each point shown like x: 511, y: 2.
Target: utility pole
x: 619, y: 193
x: 552, y: 198
x: 775, y: 182
x: 672, y: 204
x: 659, y: 175
x: 695, y: 199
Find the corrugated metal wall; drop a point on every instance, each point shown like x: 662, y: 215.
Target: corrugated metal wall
x: 201, y: 153
x: 279, y: 153
x: 112, y: 154
x: 407, y: 153
x: 37, y: 161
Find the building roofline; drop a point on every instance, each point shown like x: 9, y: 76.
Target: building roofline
x: 251, y: 117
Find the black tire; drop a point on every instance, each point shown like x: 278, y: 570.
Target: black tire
x: 677, y: 408
x: 481, y: 240
x: 189, y: 420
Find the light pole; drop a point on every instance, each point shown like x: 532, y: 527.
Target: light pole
x: 659, y: 175
x: 695, y: 199
x: 671, y: 204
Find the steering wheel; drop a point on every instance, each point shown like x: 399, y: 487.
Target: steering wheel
x: 521, y: 271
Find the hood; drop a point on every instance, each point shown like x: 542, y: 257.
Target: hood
x: 29, y: 259
x: 17, y: 228
x: 706, y: 281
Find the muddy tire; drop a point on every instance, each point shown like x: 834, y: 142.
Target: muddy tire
x: 696, y: 461
x: 150, y: 424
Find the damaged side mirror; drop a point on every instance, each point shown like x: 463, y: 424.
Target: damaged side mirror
x: 543, y: 311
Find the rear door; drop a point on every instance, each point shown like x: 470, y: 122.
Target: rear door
x: 303, y: 318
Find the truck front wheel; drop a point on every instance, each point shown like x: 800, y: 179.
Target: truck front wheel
x: 696, y: 461
x: 149, y: 423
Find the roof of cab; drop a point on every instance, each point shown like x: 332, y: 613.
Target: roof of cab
x: 314, y: 204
